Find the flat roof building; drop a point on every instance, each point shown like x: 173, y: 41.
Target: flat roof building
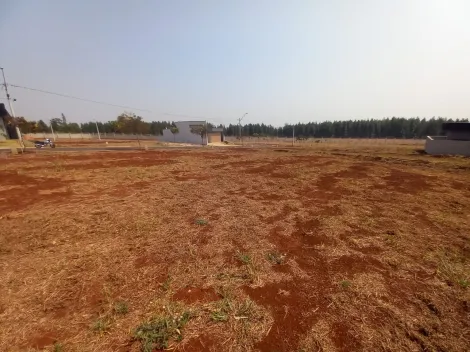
x: 455, y: 142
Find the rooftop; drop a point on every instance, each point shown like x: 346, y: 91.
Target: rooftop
x: 456, y: 126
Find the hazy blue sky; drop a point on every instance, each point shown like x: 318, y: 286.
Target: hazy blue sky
x: 280, y: 61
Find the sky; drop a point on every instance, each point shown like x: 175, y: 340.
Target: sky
x: 280, y: 61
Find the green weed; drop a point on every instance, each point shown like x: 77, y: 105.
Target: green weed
x: 121, y: 308
x: 166, y: 284
x: 244, y: 258
x: 201, y: 222
x: 345, y: 284
x: 219, y: 316
x: 58, y: 347
x: 156, y: 333
x: 464, y: 283
x: 101, y: 325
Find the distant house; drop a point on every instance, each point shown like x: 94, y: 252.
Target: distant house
x: 455, y: 142
x: 185, y: 134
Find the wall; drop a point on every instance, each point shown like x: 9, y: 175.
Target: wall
x: 58, y: 136
x: 184, y: 134
x: 440, y: 146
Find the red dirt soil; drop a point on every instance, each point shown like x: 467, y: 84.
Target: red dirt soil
x: 362, y: 264
x: 191, y: 295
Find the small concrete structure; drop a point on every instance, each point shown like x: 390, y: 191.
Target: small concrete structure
x: 455, y: 142
x: 216, y: 135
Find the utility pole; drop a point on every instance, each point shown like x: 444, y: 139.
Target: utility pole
x: 240, y: 127
x: 8, y: 95
x: 293, y: 134
x: 52, y: 130
x: 97, y: 130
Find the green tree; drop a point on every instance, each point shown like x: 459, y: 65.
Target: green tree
x: 42, y: 127
x: 175, y: 131
x: 200, y: 130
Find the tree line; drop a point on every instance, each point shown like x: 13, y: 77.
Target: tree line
x: 125, y: 123
x: 129, y: 123
x: 395, y: 127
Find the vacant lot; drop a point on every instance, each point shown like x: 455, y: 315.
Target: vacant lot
x: 326, y: 248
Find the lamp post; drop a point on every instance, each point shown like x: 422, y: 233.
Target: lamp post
x: 98, y: 130
x: 240, y: 127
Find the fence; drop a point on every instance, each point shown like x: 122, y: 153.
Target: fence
x: 88, y: 136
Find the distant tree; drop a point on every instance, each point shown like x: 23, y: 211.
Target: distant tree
x: 175, y: 131
x: 42, y: 127
x: 58, y: 125
x: 73, y: 127
x: 64, y: 120
x: 201, y: 131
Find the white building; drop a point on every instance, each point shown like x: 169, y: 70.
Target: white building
x: 185, y: 134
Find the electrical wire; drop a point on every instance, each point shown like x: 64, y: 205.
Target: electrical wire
x: 108, y: 104
x: 77, y: 98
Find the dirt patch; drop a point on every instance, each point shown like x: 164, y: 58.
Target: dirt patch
x: 42, y: 339
x: 406, y: 182
x: 29, y: 190
x: 356, y: 264
x: 345, y: 338
x: 191, y: 295
x: 202, y: 343
x: 295, y: 308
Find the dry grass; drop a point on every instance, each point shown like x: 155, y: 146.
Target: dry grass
x: 327, y: 247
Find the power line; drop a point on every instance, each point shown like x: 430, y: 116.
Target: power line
x: 77, y: 98
x: 108, y: 104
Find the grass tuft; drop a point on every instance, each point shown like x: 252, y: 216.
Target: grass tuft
x: 464, y: 283
x: 201, y: 222
x: 245, y: 258
x: 121, y: 308
x: 101, y: 325
x: 166, y: 284
x: 345, y: 284
x: 276, y: 258
x: 58, y: 347
x: 158, y: 332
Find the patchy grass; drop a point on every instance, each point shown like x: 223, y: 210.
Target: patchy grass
x: 166, y: 284
x: 158, y: 332
x: 121, y: 308
x: 58, y: 347
x: 201, y: 222
x: 101, y: 325
x: 245, y: 258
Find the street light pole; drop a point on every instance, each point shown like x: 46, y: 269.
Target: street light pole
x: 98, y: 130
x: 8, y: 95
x: 240, y: 127
x: 52, y: 130
x: 293, y: 134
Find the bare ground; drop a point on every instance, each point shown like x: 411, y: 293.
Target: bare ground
x: 307, y: 249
